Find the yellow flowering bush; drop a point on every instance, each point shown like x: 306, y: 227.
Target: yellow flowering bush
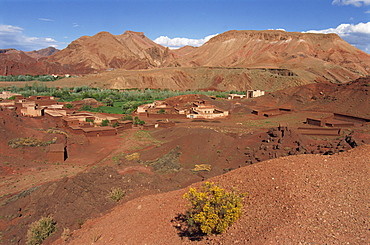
x: 133, y: 157
x: 212, y: 210
x: 40, y: 230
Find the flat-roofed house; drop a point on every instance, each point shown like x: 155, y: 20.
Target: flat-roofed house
x: 99, y: 131
x: 57, y: 153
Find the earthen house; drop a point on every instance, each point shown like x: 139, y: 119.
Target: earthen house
x: 99, y: 131
x: 57, y: 153
x: 254, y: 93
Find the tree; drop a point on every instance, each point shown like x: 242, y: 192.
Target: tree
x: 89, y: 120
x: 127, y: 117
x: 69, y: 106
x: 129, y: 107
x: 86, y: 108
x: 161, y: 111
x: 116, y: 124
x: 104, y: 123
x: 137, y: 121
x: 108, y: 101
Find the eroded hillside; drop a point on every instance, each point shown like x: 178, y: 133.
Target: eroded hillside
x: 232, y: 60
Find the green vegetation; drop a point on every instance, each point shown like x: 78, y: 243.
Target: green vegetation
x: 138, y: 121
x: 104, y: 123
x: 18, y: 142
x: 127, y: 118
x: 56, y: 131
x: 116, y: 194
x: 212, y: 210
x: 40, y: 230
x: 41, y: 78
x: 116, y: 101
x: 116, y: 124
x: 69, y: 106
x: 66, y: 234
x: 161, y: 111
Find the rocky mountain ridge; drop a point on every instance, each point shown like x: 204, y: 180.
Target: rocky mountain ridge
x: 310, y: 57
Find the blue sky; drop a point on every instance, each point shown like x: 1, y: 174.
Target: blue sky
x: 35, y: 24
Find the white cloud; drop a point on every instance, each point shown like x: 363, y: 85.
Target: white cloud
x: 279, y: 29
x: 13, y: 37
x: 357, y: 35
x: 178, y: 42
x: 356, y: 3
x: 43, y: 19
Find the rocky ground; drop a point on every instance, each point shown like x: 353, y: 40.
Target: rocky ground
x: 308, y: 198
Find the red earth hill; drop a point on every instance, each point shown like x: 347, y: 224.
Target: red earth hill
x: 15, y: 62
x: 306, y: 57
x: 42, y: 52
x: 131, y: 50
x: 314, y: 56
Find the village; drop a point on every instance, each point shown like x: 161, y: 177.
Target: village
x: 159, y: 114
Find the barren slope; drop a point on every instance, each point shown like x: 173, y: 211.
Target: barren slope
x: 295, y: 58
x: 316, y: 56
x: 351, y: 98
x: 131, y: 50
x: 291, y: 200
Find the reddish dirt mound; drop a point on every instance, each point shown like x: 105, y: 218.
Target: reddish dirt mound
x: 291, y: 200
x: 351, y: 98
x: 275, y: 60
x: 71, y: 201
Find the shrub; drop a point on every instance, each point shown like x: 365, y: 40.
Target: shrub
x: 69, y: 106
x: 116, y: 124
x: 212, y: 210
x: 127, y: 117
x: 138, y: 121
x: 161, y: 111
x: 19, y: 142
x: 116, y: 194
x: 133, y: 157
x: 86, y: 108
x: 40, y: 230
x: 104, y: 123
x: 66, y: 234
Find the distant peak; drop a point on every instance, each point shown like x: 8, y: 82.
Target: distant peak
x: 271, y: 35
x: 103, y: 33
x: 131, y: 33
x: 3, y: 51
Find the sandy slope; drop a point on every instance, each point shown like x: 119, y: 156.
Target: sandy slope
x: 305, y: 199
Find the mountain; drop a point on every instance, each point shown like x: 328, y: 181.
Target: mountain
x: 350, y: 98
x: 131, y: 50
x: 316, y: 56
x: 15, y: 62
x: 42, y: 52
x: 268, y: 60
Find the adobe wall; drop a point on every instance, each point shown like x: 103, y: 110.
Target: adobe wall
x: 55, y: 156
x: 166, y: 124
x: 101, y: 133
x: 166, y: 116
x: 148, y: 126
x: 319, y: 131
x: 350, y: 118
x: 315, y: 122
x: 75, y: 130
x: 123, y: 127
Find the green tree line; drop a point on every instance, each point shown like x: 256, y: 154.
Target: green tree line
x: 127, y: 100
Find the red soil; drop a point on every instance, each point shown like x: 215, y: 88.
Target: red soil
x: 290, y: 200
